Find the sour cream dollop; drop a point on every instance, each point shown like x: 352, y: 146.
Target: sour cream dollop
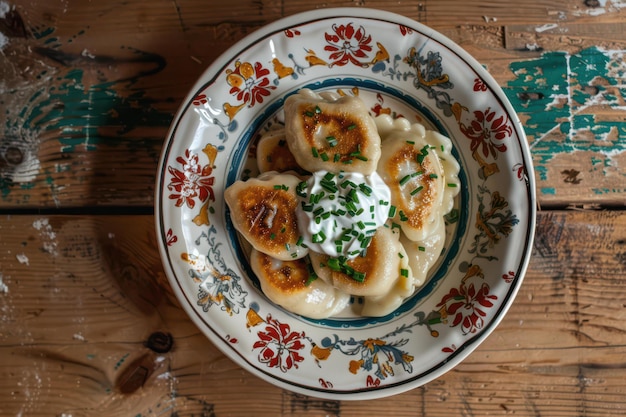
x: 339, y: 213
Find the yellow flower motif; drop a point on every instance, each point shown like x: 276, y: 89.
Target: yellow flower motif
x: 372, y: 343
x: 355, y: 366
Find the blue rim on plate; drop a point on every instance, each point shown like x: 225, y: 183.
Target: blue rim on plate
x: 397, y: 66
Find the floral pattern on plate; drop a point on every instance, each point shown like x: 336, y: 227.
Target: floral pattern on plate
x: 397, y: 67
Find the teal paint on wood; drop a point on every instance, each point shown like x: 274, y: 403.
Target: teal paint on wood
x: 79, y: 115
x: 552, y: 93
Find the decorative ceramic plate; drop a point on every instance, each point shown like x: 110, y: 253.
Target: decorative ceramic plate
x: 397, y: 66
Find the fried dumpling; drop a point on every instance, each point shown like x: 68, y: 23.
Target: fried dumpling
x: 293, y: 285
x: 263, y: 210
x: 423, y: 255
x: 374, y: 274
x: 327, y: 132
x: 273, y: 154
x: 422, y: 187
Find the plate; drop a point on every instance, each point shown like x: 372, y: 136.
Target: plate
x: 397, y: 66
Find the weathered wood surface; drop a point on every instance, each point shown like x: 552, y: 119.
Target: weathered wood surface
x: 81, y: 295
x: 89, y: 88
x: 87, y: 92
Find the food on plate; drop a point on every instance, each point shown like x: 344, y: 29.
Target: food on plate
x: 263, y: 210
x: 339, y: 213
x: 423, y: 254
x: 346, y: 207
x: 293, y: 285
x: 370, y: 274
x: 273, y: 154
x: 418, y: 166
x: 328, y: 132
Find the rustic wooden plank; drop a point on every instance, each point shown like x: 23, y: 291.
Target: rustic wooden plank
x: 81, y: 295
x: 90, y: 89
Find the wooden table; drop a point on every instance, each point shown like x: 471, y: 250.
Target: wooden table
x: 88, y: 89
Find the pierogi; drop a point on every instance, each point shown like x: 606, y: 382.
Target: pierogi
x: 418, y: 167
x: 328, y: 132
x: 335, y: 134
x: 382, y: 265
x: 273, y: 153
x: 263, y: 210
x: 291, y: 285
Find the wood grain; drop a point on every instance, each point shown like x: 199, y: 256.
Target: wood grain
x: 82, y: 294
x: 91, y: 88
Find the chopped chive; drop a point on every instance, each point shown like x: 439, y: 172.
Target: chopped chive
x: 324, y: 156
x: 336, y: 157
x: 433, y: 176
x: 332, y: 141
x: 421, y: 248
x: 352, y: 126
x: 410, y: 142
x: 362, y: 158
x: 405, y: 179
x: 318, y: 110
x: 417, y: 190
x: 308, y: 113
x: 451, y: 185
x: 300, y: 189
x: 273, y: 236
x: 400, y: 255
x: 283, y: 230
x: 392, y: 211
x: 314, y: 152
x: 358, y: 276
x: 300, y: 241
x: 404, y: 272
x: 365, y: 189
x: 312, y: 277
x: 333, y: 263
x: 287, y: 246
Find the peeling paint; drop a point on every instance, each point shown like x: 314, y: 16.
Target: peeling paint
x: 62, y: 102
x: 569, y: 86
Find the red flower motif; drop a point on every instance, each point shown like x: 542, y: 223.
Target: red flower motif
x: 279, y: 345
x: 479, y: 85
x: 324, y: 383
x: 519, y: 171
x: 508, y: 278
x: 371, y: 382
x: 290, y: 33
x: 171, y: 237
x: 348, y: 44
x: 193, y: 181
x: 249, y: 83
x: 449, y: 349
x: 468, y: 306
x: 404, y: 30
x: 199, y: 100
x: 486, y: 131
